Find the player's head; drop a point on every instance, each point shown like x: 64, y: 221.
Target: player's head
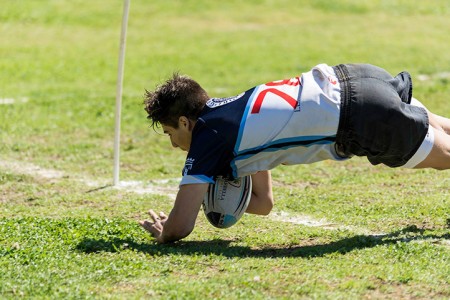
x: 178, y: 96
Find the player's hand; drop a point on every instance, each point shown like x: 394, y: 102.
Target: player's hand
x: 155, y: 225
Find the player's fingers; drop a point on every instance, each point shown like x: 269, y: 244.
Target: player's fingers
x: 162, y: 215
x: 154, y: 216
x: 146, y: 225
x: 153, y: 228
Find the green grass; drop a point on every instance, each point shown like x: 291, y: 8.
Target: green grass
x: 62, y: 238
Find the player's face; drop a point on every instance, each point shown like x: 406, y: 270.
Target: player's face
x: 180, y: 137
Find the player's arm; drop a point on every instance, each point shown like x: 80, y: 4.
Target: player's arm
x: 181, y: 220
x: 261, y: 202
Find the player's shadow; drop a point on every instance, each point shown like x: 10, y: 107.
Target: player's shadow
x: 223, y: 247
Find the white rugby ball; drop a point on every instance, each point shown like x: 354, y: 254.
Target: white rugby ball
x: 226, y: 201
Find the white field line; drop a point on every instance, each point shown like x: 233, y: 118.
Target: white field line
x: 324, y: 224
x: 169, y: 188
x: 166, y: 187
x: 8, y: 101
x: 30, y: 169
x: 308, y: 221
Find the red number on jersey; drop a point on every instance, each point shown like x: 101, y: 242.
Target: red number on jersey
x: 291, y: 81
x: 259, y: 100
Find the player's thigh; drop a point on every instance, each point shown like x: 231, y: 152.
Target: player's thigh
x: 439, y: 122
x: 439, y: 157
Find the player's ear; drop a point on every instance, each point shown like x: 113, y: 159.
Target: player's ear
x: 183, y: 122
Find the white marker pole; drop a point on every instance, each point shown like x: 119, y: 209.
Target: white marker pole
x: 123, y: 37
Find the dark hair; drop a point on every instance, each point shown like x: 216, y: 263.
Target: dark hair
x: 178, y: 96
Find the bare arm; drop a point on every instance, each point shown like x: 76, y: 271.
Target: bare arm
x: 261, y: 202
x: 181, y: 220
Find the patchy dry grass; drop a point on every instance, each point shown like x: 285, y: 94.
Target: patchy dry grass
x: 66, y: 233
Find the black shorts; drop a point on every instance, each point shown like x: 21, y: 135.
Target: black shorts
x: 376, y: 118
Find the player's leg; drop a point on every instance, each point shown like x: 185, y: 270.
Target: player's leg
x: 437, y: 142
x: 439, y: 123
x: 439, y: 157
x: 435, y: 149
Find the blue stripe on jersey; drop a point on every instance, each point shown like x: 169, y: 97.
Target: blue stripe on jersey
x: 194, y: 179
x: 243, y: 120
x: 294, y: 141
x: 302, y: 142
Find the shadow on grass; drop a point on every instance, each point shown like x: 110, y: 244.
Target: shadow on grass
x: 223, y: 247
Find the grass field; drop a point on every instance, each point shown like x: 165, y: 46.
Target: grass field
x: 338, y: 230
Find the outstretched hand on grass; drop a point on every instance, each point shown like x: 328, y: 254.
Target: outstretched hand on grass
x: 156, y: 225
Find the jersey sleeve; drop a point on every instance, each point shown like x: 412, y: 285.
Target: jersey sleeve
x: 209, y: 156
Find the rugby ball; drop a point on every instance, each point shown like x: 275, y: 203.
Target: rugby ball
x: 226, y: 201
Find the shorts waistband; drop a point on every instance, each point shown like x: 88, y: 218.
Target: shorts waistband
x: 343, y: 76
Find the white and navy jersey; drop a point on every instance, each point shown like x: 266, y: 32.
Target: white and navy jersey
x: 292, y: 121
